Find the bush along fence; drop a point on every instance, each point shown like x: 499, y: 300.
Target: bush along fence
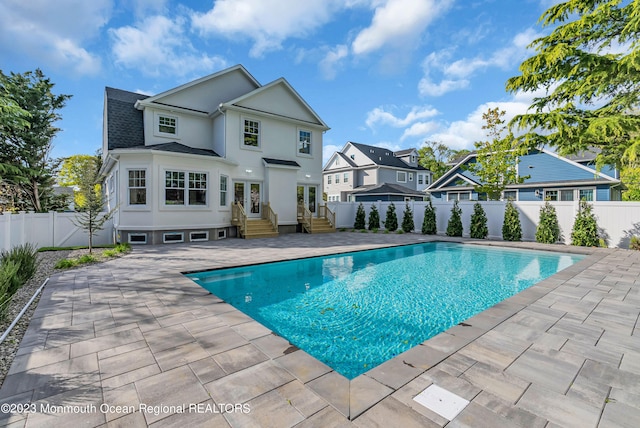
x: 616, y: 223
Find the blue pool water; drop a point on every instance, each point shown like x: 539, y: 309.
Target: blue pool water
x: 357, y: 310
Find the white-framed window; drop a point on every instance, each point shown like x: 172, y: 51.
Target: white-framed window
x: 401, y: 176
x: 174, y: 188
x: 199, y: 236
x: 458, y: 196
x: 413, y: 158
x: 550, y: 195
x: 166, y: 125
x: 137, y: 238
x: 137, y: 186
x: 251, y: 133
x: 337, y: 177
x: 586, y: 194
x: 345, y: 177
x: 180, y: 191
x: 510, y: 195
x: 172, y: 237
x: 224, y: 188
x: 304, y: 142
x: 420, y: 179
x: 411, y: 176
x: 197, y: 188
x: 328, y: 179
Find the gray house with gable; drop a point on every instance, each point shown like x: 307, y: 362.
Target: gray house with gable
x: 360, y: 172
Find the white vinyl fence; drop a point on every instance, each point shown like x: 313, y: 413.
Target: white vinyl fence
x: 48, y: 230
x: 618, y: 221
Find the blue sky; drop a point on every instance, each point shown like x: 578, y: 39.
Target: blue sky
x: 392, y: 73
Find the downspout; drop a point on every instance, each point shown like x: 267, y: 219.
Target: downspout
x: 224, y: 131
x: 116, y: 217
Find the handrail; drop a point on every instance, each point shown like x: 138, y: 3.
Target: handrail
x: 306, y: 216
x: 269, y: 214
x: 329, y: 215
x: 239, y: 217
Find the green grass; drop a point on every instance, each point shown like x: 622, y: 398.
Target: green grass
x: 77, y: 247
x: 90, y: 258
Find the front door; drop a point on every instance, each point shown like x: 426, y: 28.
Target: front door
x: 249, y: 195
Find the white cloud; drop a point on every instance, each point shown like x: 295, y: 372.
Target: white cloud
x: 396, y: 23
x: 462, y: 134
x: 419, y: 129
x: 158, y: 45
x: 47, y: 31
x: 333, y: 60
x: 456, y: 74
x: 327, y: 152
x: 380, y: 116
x: 267, y: 22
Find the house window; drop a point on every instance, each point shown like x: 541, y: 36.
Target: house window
x: 401, y: 177
x: 337, y: 178
x: 328, y: 179
x: 198, y: 236
x: 251, y: 133
x: 458, y: 196
x: 167, y: 125
x: 550, y: 195
x: 420, y: 178
x: 172, y: 237
x: 137, y: 187
x: 137, y: 238
x: 586, y: 194
x: 224, y: 181
x: 197, y: 188
x: 566, y: 195
x: 410, y: 176
x: 174, y: 188
x: 510, y: 195
x: 413, y: 158
x: 345, y: 177
x: 304, y: 142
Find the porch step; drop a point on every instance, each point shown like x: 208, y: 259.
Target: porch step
x: 322, y: 225
x: 259, y: 229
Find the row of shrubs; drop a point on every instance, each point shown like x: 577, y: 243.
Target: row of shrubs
x: 17, y: 266
x: 584, y: 233
x: 90, y: 258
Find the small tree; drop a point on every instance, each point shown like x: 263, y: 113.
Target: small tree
x: 91, y: 218
x: 585, y: 227
x: 360, y: 218
x: 478, y: 228
x: 374, y: 218
x: 407, y: 219
x: 454, y: 227
x: 391, y: 221
x: 511, y: 228
x: 429, y: 226
x: 548, y: 231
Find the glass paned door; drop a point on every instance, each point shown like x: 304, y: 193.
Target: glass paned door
x: 249, y: 196
x: 312, y: 199
x: 306, y: 195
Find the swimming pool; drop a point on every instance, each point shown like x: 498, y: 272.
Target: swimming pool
x: 354, y: 311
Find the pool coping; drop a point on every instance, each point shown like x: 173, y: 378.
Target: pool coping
x: 354, y: 397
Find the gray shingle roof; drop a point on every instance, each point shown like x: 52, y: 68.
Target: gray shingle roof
x: 281, y: 162
x: 175, y: 147
x: 383, y: 157
x: 125, y: 126
x: 386, y: 189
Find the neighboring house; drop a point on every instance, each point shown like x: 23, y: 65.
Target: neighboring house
x: 551, y: 177
x: 360, y: 172
x: 191, y: 163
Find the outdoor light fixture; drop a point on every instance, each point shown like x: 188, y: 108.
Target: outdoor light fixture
x: 248, y: 171
x: 307, y: 176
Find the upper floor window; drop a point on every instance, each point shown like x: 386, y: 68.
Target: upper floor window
x: 420, y: 178
x: 224, y: 183
x: 337, y: 178
x: 345, y: 177
x: 137, y: 187
x: 413, y: 158
x: 167, y: 125
x: 304, y: 142
x: 328, y: 179
x: 251, y: 133
x: 401, y: 177
x: 410, y: 176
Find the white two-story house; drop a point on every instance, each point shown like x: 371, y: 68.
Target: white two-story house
x: 360, y: 173
x: 199, y: 161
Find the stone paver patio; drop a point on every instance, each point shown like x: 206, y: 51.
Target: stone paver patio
x: 132, y: 342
